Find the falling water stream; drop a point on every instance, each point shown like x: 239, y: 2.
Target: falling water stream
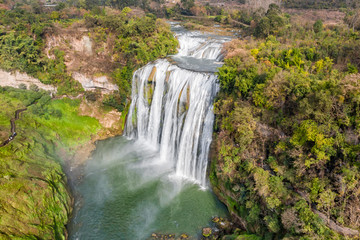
x: 153, y: 179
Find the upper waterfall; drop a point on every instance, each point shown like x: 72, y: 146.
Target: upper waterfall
x: 193, y: 44
x: 171, y: 107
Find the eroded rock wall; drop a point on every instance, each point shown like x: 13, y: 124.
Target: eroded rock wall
x: 17, y: 78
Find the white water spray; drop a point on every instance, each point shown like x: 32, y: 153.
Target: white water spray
x: 172, y: 111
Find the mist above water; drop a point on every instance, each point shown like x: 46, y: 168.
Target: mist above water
x: 154, y: 178
x: 125, y: 194
x: 171, y: 108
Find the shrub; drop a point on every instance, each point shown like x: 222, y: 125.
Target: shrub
x: 318, y: 26
x: 34, y: 88
x: 22, y: 86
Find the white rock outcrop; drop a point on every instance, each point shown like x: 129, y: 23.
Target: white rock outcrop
x: 93, y: 83
x: 15, y: 79
x: 83, y: 45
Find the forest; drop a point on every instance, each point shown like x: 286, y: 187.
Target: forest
x: 320, y: 4
x: 137, y: 41
x: 286, y: 143
x: 53, y: 128
x: 287, y: 131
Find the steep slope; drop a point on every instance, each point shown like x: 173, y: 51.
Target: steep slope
x: 286, y: 153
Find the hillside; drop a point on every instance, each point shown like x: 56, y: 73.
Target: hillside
x: 320, y: 4
x: 286, y: 152
x: 71, y: 72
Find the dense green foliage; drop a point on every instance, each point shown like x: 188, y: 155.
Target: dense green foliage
x: 30, y: 166
x: 34, y: 200
x: 288, y: 133
x: 138, y: 40
x: 320, y: 4
x: 135, y: 41
x: 21, y: 44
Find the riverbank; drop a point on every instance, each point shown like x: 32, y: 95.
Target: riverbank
x: 73, y: 54
x: 285, y: 162
x: 123, y: 194
x: 35, y: 198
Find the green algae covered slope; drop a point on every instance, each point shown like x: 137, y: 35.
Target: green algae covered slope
x: 34, y: 200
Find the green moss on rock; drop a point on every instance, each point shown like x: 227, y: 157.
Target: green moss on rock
x: 34, y: 200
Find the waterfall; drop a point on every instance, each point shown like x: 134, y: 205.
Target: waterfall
x: 172, y: 109
x: 201, y: 48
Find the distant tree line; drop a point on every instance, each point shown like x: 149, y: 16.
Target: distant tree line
x: 320, y: 4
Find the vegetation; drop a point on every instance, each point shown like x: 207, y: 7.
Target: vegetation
x: 287, y: 116
x: 137, y: 40
x: 288, y: 130
x: 30, y: 166
x: 319, y: 4
x: 272, y: 23
x: 51, y: 129
x: 21, y: 44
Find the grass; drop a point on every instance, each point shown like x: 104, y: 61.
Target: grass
x: 34, y: 200
x: 71, y: 128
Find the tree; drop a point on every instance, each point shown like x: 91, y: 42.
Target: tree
x: 263, y: 27
x: 34, y: 88
x: 318, y: 26
x: 271, y: 23
x: 353, y: 19
x: 22, y: 86
x: 187, y: 5
x: 273, y: 9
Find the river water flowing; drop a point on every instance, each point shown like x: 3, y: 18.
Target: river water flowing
x: 153, y: 179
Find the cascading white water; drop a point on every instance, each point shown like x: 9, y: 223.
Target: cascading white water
x: 134, y: 188
x: 172, y: 110
x: 193, y: 44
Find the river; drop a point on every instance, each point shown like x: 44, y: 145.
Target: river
x: 153, y: 179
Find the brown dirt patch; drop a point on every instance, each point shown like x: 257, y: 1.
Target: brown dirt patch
x: 108, y: 119
x: 3, y: 135
x: 73, y: 41
x: 5, y: 7
x: 329, y: 17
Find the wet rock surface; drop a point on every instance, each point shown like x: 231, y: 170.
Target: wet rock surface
x: 220, y: 228
x: 160, y: 236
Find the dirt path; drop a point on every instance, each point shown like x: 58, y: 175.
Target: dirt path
x: 17, y: 116
x: 13, y: 127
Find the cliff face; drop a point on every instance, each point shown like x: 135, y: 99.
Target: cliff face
x: 34, y: 199
x: 17, y: 79
x: 88, y: 59
x: 267, y: 197
x: 88, y: 63
x: 242, y: 185
x: 92, y: 83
